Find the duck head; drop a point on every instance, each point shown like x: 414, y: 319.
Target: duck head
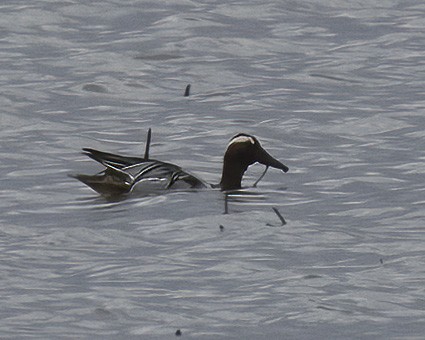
x: 242, y: 151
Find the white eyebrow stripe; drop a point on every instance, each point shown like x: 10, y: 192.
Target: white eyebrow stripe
x: 242, y: 139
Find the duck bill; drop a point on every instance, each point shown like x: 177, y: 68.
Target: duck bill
x: 265, y: 158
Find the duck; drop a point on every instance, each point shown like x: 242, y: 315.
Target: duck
x: 123, y: 174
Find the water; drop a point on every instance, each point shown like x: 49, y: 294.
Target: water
x: 332, y: 89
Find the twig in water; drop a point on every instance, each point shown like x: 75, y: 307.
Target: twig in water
x: 148, y: 143
x: 261, y: 177
x: 187, y: 91
x: 279, y: 215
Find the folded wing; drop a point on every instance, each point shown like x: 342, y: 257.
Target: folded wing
x: 123, y: 174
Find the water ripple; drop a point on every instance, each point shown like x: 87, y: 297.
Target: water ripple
x: 334, y: 90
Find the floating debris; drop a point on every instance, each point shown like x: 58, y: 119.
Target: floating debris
x: 148, y: 143
x: 221, y: 228
x: 187, y: 91
x: 381, y: 260
x: 178, y: 332
x: 279, y: 215
x: 261, y: 177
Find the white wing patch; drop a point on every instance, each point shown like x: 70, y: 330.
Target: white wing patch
x: 242, y: 139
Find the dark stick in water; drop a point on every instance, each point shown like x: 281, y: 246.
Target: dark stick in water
x: 279, y: 215
x: 148, y: 143
x: 187, y: 91
x: 261, y: 177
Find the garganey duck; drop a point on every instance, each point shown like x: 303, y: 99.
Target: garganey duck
x: 123, y: 173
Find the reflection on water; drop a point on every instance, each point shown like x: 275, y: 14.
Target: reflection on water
x: 333, y: 89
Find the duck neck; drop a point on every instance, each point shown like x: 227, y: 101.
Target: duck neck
x: 231, y: 177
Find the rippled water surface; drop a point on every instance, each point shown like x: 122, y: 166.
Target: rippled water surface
x: 334, y: 89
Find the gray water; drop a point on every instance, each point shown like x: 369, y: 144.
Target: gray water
x: 333, y: 89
